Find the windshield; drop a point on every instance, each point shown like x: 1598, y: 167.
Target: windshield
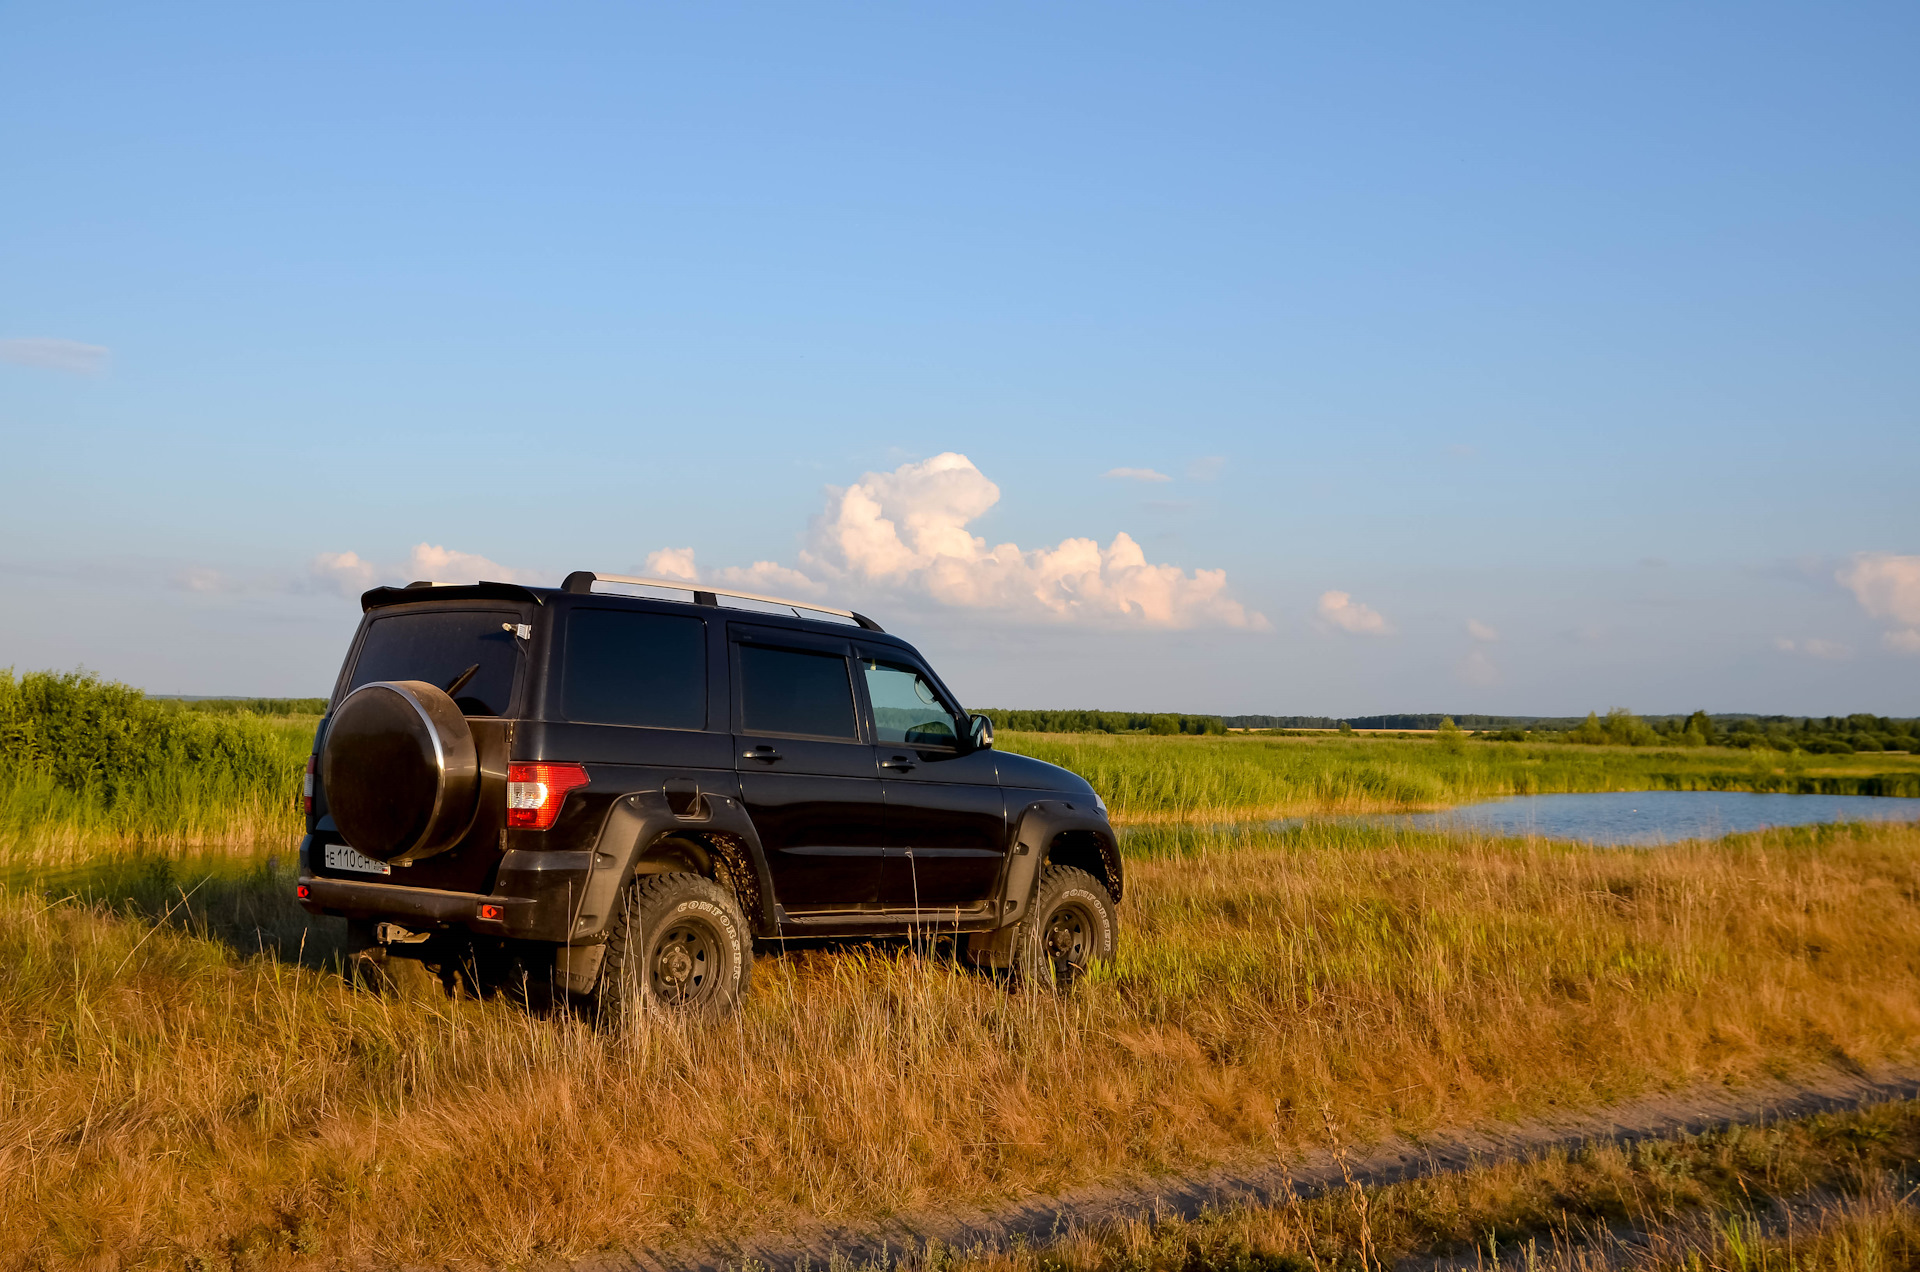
x: 472, y: 652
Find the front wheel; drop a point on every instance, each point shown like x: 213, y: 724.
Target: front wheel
x: 678, y: 942
x: 1072, y: 926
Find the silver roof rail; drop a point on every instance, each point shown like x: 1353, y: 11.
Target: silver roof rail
x: 708, y: 594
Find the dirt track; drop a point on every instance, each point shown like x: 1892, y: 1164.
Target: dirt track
x: 1039, y: 1219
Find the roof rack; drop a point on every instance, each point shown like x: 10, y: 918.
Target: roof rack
x: 708, y: 594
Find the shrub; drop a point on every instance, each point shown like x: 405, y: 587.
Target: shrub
x: 109, y: 756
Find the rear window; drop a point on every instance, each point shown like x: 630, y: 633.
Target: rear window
x: 439, y: 647
x: 631, y: 668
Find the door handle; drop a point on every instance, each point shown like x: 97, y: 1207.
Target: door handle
x: 766, y: 753
x: 899, y: 764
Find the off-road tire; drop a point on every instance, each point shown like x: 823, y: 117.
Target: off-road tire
x: 1072, y: 925
x: 678, y: 943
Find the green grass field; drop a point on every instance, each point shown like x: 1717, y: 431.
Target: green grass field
x: 1146, y: 779
x: 85, y: 762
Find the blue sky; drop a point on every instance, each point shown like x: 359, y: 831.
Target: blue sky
x: 1574, y: 351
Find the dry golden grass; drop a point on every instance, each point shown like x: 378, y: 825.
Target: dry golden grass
x: 1818, y: 1194
x: 165, y: 1096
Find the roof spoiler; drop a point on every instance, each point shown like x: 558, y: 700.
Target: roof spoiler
x: 425, y: 591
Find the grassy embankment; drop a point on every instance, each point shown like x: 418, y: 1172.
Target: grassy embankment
x: 1216, y: 779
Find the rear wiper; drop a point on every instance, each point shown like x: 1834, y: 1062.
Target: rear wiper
x: 460, y: 681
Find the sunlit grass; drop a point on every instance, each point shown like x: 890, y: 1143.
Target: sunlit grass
x: 190, y: 1086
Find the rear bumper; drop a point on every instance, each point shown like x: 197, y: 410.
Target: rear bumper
x: 537, y: 894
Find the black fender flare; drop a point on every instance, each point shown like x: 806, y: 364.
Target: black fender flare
x: 636, y: 821
x: 1035, y: 829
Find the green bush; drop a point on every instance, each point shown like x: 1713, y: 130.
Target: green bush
x: 84, y: 751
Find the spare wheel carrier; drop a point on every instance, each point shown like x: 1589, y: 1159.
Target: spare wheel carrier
x: 401, y: 771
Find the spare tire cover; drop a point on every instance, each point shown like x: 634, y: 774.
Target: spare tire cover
x: 400, y: 769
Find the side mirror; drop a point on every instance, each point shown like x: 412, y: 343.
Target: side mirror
x: 981, y: 733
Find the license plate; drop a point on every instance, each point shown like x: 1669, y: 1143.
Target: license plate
x: 341, y: 857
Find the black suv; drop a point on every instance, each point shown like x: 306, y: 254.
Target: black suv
x: 616, y: 794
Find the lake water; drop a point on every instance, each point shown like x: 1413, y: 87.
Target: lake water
x: 1659, y: 817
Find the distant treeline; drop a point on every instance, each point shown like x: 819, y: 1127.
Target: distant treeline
x: 1724, y: 723
x: 1817, y: 735
x: 1103, y: 722
x: 249, y: 706
x: 1380, y: 722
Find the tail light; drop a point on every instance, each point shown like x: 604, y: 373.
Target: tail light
x: 536, y: 791
x: 306, y: 789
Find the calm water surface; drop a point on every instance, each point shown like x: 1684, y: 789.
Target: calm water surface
x: 1659, y: 817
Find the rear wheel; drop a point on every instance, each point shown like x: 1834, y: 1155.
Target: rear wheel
x: 678, y: 943
x: 1073, y: 925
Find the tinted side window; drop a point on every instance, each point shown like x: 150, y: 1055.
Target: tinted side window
x: 624, y: 667
x: 788, y: 691
x: 438, y: 647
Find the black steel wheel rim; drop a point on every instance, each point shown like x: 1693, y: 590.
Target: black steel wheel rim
x: 685, y: 967
x: 1069, y: 935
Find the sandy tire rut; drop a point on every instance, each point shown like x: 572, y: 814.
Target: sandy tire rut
x: 1038, y: 1220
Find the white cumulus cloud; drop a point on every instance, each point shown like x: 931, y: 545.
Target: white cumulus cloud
x: 1349, y: 615
x: 350, y: 573
x: 769, y: 578
x: 671, y: 563
x: 1135, y: 474
x: 52, y: 354
x: 905, y: 532
x: 1481, y: 632
x: 1888, y: 587
x: 765, y: 577
x: 899, y: 536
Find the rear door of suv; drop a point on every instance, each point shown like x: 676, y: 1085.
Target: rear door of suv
x: 808, y: 774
